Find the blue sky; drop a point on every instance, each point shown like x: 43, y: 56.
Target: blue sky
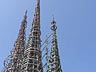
x: 76, y: 21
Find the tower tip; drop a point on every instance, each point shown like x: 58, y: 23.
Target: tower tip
x: 26, y: 12
x: 25, y: 16
x: 53, y: 27
x: 53, y: 17
x: 53, y: 20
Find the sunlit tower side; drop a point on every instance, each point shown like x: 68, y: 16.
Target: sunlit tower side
x: 33, y: 55
x: 15, y: 60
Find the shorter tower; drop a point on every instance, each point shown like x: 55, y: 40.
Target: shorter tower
x: 54, y: 54
x: 15, y: 60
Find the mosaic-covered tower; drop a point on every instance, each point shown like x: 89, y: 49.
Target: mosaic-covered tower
x: 54, y: 54
x: 14, y: 61
x: 32, y: 55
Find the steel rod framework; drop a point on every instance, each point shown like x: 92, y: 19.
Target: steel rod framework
x: 54, y: 54
x: 28, y: 57
x: 32, y: 55
x: 15, y: 60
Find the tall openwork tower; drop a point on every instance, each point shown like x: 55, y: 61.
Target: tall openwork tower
x: 54, y: 54
x: 14, y: 61
x: 28, y: 57
x: 32, y: 55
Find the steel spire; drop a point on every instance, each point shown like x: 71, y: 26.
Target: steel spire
x: 14, y: 61
x: 54, y: 54
x: 32, y: 54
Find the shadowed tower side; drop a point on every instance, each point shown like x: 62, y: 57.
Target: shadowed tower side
x: 54, y: 54
x: 14, y: 61
x: 32, y: 55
